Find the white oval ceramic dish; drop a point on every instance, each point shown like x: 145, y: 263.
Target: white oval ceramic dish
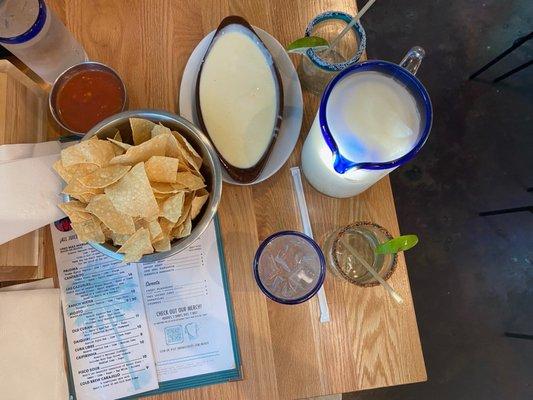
x: 292, y: 98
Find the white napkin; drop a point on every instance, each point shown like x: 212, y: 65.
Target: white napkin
x: 47, y: 283
x: 11, y: 152
x: 31, y: 346
x: 29, y: 194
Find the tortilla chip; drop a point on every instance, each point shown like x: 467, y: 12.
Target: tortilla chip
x: 132, y: 195
x: 98, y: 152
x: 77, y: 170
x: 125, y: 146
x: 136, y: 246
x: 76, y: 211
x: 140, y: 130
x: 117, y: 142
x: 161, y: 196
x: 183, y: 167
x: 87, y: 197
x: 200, y: 197
x: 62, y: 171
x: 186, y: 207
x: 142, y: 152
x: 80, y: 170
x: 164, y: 188
x: 153, y: 227
x: 179, y: 187
x: 162, y: 169
x: 173, y: 148
x: 160, y: 130
x: 75, y: 187
x: 118, y: 150
x: 166, y: 226
x: 189, y: 153
x: 102, y: 207
x: 108, y: 233
x: 73, y: 205
x: 104, y: 176
x: 162, y: 244
x: 119, y: 239
x: 89, y: 231
x: 191, y: 181
x: 119, y: 147
x: 80, y: 197
x: 183, y: 230
x: 161, y: 201
x: 172, y: 207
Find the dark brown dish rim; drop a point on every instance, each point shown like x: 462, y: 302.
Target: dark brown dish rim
x: 242, y: 175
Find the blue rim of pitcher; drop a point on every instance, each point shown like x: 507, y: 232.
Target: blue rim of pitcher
x: 321, y: 259
x: 33, y: 31
x: 358, y: 30
x: 341, y: 164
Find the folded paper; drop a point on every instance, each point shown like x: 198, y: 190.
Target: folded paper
x: 31, y: 191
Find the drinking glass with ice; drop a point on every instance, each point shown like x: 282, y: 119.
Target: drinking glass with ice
x: 289, y: 267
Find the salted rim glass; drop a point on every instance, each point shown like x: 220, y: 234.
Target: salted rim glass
x: 364, y: 237
x: 317, y: 68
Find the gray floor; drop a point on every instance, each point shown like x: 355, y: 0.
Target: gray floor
x: 471, y: 276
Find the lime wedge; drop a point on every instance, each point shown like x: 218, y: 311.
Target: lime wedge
x: 300, y: 46
x: 401, y: 243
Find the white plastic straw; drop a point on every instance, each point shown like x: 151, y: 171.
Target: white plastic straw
x: 306, y: 225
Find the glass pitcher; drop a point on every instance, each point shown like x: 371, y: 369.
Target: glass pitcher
x: 373, y: 117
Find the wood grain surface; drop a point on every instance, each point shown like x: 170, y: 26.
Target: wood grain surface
x: 370, y: 341
x: 23, y: 117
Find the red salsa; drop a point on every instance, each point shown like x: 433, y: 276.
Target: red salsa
x: 87, y: 98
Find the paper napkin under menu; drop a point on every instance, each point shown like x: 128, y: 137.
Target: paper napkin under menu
x: 31, y: 346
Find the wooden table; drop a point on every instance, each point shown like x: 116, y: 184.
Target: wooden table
x: 286, y: 352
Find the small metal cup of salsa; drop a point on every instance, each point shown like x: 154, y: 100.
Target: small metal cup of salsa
x: 86, y: 94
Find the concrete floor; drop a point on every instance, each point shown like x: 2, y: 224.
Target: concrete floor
x: 471, y: 276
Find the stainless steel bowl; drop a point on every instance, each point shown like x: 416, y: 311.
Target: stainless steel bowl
x: 69, y: 73
x: 211, y: 171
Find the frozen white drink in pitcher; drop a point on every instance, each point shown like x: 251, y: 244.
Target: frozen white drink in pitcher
x: 373, y: 117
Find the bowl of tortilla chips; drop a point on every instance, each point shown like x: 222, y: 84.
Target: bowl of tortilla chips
x: 141, y: 185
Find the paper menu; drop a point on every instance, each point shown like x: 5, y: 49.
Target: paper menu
x: 187, y: 315
x: 107, y: 333
x: 186, y: 303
